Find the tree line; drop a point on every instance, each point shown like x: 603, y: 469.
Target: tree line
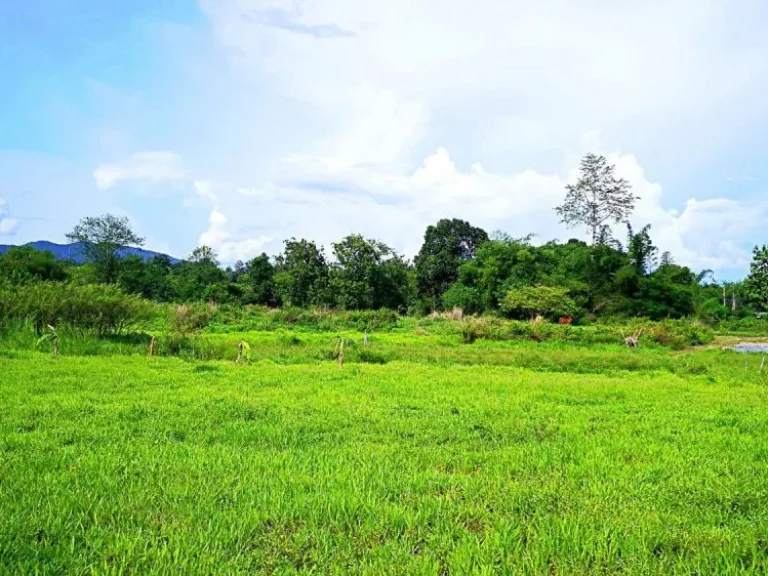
x: 458, y: 266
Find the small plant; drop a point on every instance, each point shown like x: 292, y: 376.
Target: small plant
x: 51, y: 336
x: 243, y: 353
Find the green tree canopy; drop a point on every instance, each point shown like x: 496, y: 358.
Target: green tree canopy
x: 368, y: 274
x: 199, y: 278
x: 258, y: 278
x: 447, y: 245
x: 301, y: 275
x: 101, y: 237
x: 757, y: 282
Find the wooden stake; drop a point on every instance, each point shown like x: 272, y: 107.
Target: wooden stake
x: 56, y: 347
x: 762, y: 364
x: 239, y: 353
x: 341, y: 354
x: 153, y: 347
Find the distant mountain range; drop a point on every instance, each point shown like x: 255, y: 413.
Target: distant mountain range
x: 75, y: 251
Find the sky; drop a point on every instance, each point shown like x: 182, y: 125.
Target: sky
x: 240, y: 123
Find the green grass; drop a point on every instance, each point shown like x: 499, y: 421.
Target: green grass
x: 493, y: 458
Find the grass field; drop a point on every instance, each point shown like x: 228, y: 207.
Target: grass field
x: 421, y: 458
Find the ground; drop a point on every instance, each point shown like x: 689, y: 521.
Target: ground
x: 652, y: 463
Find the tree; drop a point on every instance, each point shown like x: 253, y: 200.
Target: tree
x: 158, y: 272
x: 597, y: 198
x: 150, y: 279
x: 368, y: 274
x: 101, y: 238
x: 756, y: 283
x: 204, y: 255
x: 668, y: 292
x: 301, y: 275
x: 259, y: 280
x: 667, y: 260
x: 641, y: 251
x: 199, y: 277
x: 446, y: 246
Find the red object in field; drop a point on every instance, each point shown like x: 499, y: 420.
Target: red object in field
x: 565, y: 320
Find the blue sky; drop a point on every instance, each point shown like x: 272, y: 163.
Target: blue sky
x: 238, y: 123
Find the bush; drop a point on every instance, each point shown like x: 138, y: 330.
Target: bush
x: 670, y: 333
x: 99, y: 308
x: 187, y: 318
x: 464, y: 297
x: 680, y: 333
x: 530, y: 301
x: 483, y: 328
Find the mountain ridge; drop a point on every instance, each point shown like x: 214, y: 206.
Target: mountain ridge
x: 75, y: 251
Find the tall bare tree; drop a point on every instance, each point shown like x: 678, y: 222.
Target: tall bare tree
x: 598, y: 197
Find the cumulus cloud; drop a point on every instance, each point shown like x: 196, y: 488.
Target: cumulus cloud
x: 147, y: 166
x: 8, y: 225
x: 218, y: 236
x: 326, y: 204
x: 412, y: 114
x: 320, y: 118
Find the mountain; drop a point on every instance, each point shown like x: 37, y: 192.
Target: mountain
x: 75, y: 251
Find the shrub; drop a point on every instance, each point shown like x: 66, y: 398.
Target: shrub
x: 187, y: 318
x: 463, y: 297
x: 102, y: 309
x: 530, y: 301
x: 680, y: 333
x: 670, y: 333
x: 482, y: 328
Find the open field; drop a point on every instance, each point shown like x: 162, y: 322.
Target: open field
x: 491, y: 458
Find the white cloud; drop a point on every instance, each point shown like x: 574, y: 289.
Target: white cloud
x: 546, y: 71
x: 404, y: 98
x: 148, y: 166
x: 326, y: 204
x: 328, y: 117
x: 218, y: 235
x: 8, y: 225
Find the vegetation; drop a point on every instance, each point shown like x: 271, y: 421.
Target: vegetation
x: 101, y: 238
x: 597, y: 197
x: 757, y: 281
x: 361, y: 414
x: 459, y: 267
x: 103, y: 309
x: 447, y: 245
x: 594, y: 460
x: 538, y: 301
